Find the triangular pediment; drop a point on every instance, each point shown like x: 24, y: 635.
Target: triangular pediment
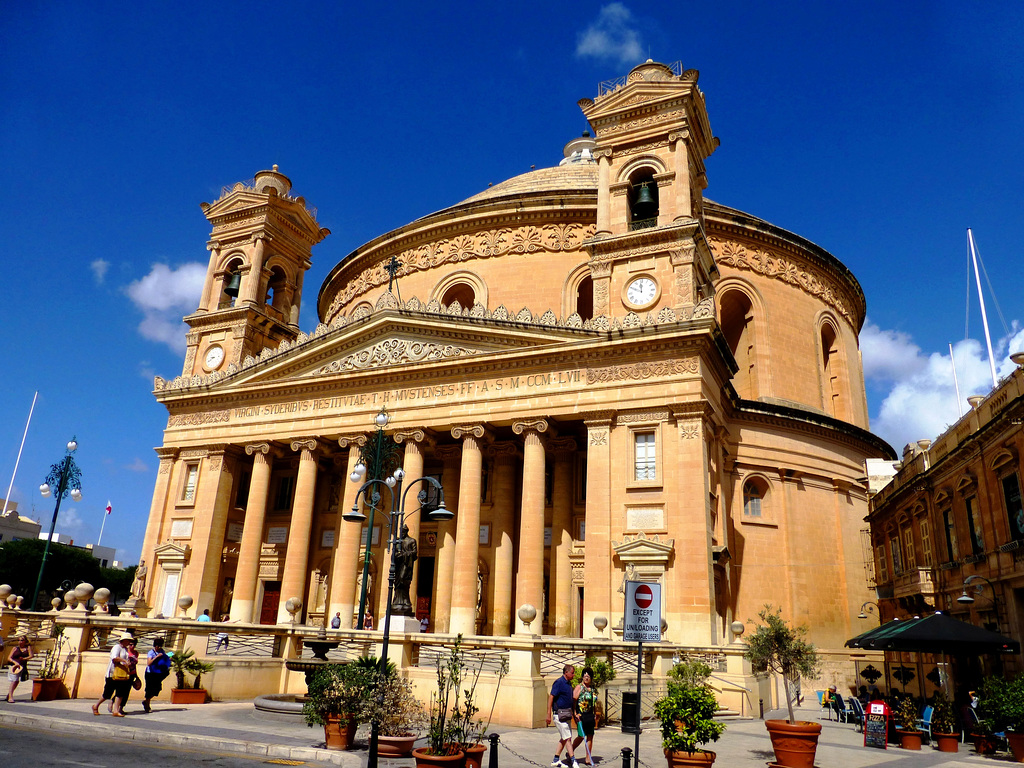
x: 643, y: 549
x: 637, y: 97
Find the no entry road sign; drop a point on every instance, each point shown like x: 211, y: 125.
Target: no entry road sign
x: 643, y: 612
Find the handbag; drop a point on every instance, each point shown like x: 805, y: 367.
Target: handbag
x: 120, y: 673
x: 564, y: 714
x: 136, y: 683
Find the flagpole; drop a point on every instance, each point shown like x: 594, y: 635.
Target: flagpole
x: 18, y: 460
x: 959, y: 405
x: 106, y: 514
x: 981, y: 299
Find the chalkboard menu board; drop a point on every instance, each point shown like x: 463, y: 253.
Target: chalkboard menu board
x: 876, y: 726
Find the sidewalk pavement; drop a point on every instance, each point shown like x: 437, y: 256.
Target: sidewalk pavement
x: 235, y: 727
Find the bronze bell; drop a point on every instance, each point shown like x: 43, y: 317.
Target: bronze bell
x: 231, y: 289
x: 645, y: 204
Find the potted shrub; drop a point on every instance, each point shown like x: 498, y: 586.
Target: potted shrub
x: 905, y: 717
x: 1001, y: 707
x: 944, y: 729
x: 398, y: 713
x: 337, y: 694
x: 777, y: 647
x: 450, y: 716
x: 49, y: 685
x: 687, y: 714
x: 183, y: 663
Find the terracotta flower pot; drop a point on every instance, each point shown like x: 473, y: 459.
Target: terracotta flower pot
x: 910, y: 739
x: 1016, y: 742
x: 474, y: 754
x: 947, y: 742
x: 795, y: 744
x: 395, y: 746
x: 188, y: 695
x: 47, y: 689
x: 985, y: 743
x: 457, y: 760
x: 338, y: 735
x: 680, y: 758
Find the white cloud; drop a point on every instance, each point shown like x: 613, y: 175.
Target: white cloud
x: 137, y: 466
x: 921, y: 401
x: 163, y: 296
x: 613, y: 37
x: 70, y: 522
x: 99, y: 270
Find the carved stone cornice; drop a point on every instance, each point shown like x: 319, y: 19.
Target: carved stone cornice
x: 194, y: 453
x: 479, y: 431
x: 198, y: 419
x: 358, y: 440
x: 697, y: 409
x: 640, y: 371
x: 540, y: 426
x: 598, y: 418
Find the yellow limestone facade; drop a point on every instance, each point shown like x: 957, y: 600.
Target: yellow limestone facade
x: 611, y: 376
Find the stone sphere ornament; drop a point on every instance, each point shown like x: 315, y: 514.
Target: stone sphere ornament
x: 185, y: 602
x: 70, y: 599
x: 12, y: 600
x: 55, y: 603
x: 84, y: 591
x: 102, y: 597
x: 738, y: 628
x: 5, y: 590
x: 664, y: 625
x: 293, y: 605
x: 600, y: 622
x: 527, y: 613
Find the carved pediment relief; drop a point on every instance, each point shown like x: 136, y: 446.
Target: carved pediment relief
x: 394, y: 351
x: 642, y: 548
x: 170, y: 552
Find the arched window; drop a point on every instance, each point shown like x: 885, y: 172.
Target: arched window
x: 275, y: 288
x: 737, y: 321
x: 755, y: 494
x: 462, y: 293
x: 643, y: 200
x: 231, y: 284
x: 585, y: 298
x: 834, y: 402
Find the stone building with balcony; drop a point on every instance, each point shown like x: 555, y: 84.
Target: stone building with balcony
x: 611, y: 376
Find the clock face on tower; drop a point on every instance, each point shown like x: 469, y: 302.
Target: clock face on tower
x: 214, y: 357
x: 641, y: 292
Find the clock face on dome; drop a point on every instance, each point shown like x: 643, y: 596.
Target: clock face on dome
x: 641, y: 292
x: 214, y: 357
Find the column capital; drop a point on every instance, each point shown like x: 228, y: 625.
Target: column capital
x: 696, y: 409
x: 534, y: 425
x: 678, y: 136
x: 504, y: 451
x: 562, y: 447
x: 347, y: 441
x: 479, y: 431
x: 166, y: 454
x: 449, y: 454
x: 254, y: 448
x: 415, y: 435
x: 305, y: 444
x: 598, y: 418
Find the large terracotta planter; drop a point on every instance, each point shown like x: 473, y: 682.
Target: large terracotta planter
x: 338, y: 735
x: 457, y: 760
x: 947, y: 742
x: 1016, y: 742
x: 474, y: 754
x: 188, y: 695
x: 985, y: 743
x: 395, y: 746
x: 48, y: 689
x: 683, y: 759
x: 910, y: 739
x: 795, y: 744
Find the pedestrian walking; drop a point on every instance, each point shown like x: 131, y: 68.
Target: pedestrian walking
x: 18, y: 669
x: 560, y: 702
x: 336, y: 621
x: 586, y: 704
x: 118, y: 677
x: 158, y: 667
x: 222, y: 637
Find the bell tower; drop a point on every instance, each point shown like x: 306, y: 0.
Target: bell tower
x: 652, y: 138
x: 260, y: 250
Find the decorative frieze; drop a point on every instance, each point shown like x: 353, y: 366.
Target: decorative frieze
x: 640, y: 371
x: 643, y: 417
x: 198, y: 419
x: 395, y: 352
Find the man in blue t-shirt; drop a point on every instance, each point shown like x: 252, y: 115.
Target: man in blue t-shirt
x: 561, y: 700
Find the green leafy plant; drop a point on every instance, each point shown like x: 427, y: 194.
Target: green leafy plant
x: 905, y: 714
x: 184, y: 662
x: 687, y: 713
x: 53, y: 667
x: 394, y: 707
x: 690, y: 672
x: 943, y: 714
x: 341, y: 690
x: 603, y: 672
x: 1001, y: 703
x: 776, y: 646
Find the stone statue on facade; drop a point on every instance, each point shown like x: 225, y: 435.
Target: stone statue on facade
x: 404, y: 556
x: 139, y: 585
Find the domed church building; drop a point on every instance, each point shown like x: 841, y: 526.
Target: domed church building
x: 612, y: 377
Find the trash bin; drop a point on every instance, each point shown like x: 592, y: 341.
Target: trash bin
x: 630, y: 712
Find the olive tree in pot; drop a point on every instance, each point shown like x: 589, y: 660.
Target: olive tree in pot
x: 944, y: 729
x: 398, y: 713
x: 1002, y: 706
x: 905, y: 717
x: 687, y: 714
x: 336, y: 697
x: 778, y: 647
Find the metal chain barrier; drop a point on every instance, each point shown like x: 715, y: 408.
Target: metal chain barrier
x: 522, y: 757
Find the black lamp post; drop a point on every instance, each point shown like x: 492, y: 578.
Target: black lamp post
x: 966, y: 599
x: 396, y: 522
x: 67, y: 478
x: 870, y: 606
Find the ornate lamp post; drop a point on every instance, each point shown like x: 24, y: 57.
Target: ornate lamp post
x: 870, y: 606
x: 67, y: 478
x: 966, y: 599
x: 378, y: 458
x: 396, y: 545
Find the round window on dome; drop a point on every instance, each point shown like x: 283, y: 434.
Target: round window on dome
x: 462, y: 293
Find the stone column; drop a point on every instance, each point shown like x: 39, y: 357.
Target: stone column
x: 293, y: 582
x: 506, y: 460
x: 157, y: 509
x: 444, y: 560
x: 467, y: 520
x: 560, y: 571
x: 341, y: 596
x: 250, y: 294
x: 247, y: 570
x: 210, y: 512
x: 683, y: 198
x: 415, y: 440
x: 530, y: 573
x: 597, y: 569
x: 604, y: 216
x: 204, y: 302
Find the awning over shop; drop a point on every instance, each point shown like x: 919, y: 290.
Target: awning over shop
x: 936, y: 633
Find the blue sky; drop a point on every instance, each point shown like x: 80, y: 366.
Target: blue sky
x: 878, y: 130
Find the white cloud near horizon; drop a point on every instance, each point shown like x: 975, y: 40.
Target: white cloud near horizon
x: 99, y: 269
x: 164, y: 296
x: 921, y: 401
x: 137, y: 466
x: 613, y: 36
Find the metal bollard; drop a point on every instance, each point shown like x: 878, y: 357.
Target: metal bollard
x: 492, y: 760
x: 627, y: 757
x: 760, y: 706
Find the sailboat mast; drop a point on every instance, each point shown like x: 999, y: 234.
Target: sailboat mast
x: 981, y: 299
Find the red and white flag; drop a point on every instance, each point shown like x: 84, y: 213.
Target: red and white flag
x: 109, y: 508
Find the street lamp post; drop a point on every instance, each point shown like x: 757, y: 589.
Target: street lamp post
x: 396, y: 522
x: 966, y: 599
x: 867, y: 608
x: 67, y: 478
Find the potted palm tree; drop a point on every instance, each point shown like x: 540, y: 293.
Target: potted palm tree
x: 336, y: 698
x: 905, y: 717
x: 687, y: 716
x: 777, y: 647
x: 184, y: 662
x: 944, y: 723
